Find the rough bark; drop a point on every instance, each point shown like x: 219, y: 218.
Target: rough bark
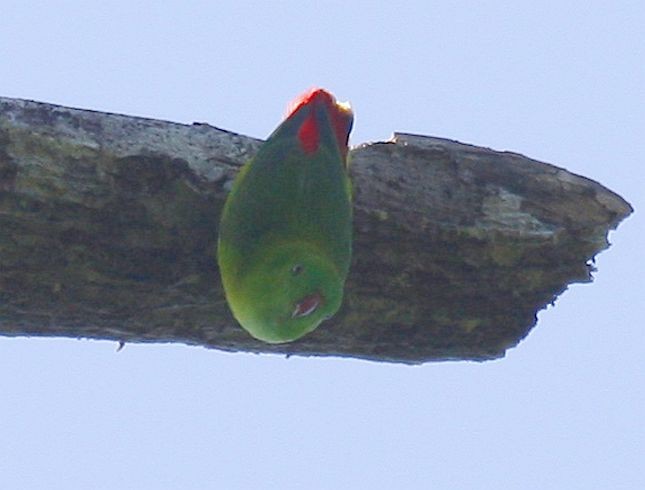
x: 108, y: 228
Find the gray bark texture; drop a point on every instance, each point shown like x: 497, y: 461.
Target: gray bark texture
x: 108, y: 230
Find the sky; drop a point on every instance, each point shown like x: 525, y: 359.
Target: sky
x: 561, y: 82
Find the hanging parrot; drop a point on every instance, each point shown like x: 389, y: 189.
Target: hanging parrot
x: 285, y: 234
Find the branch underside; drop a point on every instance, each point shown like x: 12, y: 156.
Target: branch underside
x: 108, y: 229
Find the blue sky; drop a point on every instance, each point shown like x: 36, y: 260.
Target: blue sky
x: 558, y: 81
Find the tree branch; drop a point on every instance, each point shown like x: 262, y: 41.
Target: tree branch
x: 108, y: 229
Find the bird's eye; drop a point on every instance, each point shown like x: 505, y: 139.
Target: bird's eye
x: 296, y: 269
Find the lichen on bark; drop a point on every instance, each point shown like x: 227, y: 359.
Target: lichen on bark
x: 108, y: 228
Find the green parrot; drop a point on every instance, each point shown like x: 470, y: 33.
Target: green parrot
x: 285, y: 235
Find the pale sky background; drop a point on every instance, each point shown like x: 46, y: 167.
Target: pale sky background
x: 559, y: 81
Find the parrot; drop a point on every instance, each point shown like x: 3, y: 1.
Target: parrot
x: 285, y: 233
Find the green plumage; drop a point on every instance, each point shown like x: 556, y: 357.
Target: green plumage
x: 285, y: 235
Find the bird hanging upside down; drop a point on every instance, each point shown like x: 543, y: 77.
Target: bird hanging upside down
x: 285, y: 234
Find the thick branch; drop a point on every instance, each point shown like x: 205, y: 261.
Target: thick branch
x: 108, y: 228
